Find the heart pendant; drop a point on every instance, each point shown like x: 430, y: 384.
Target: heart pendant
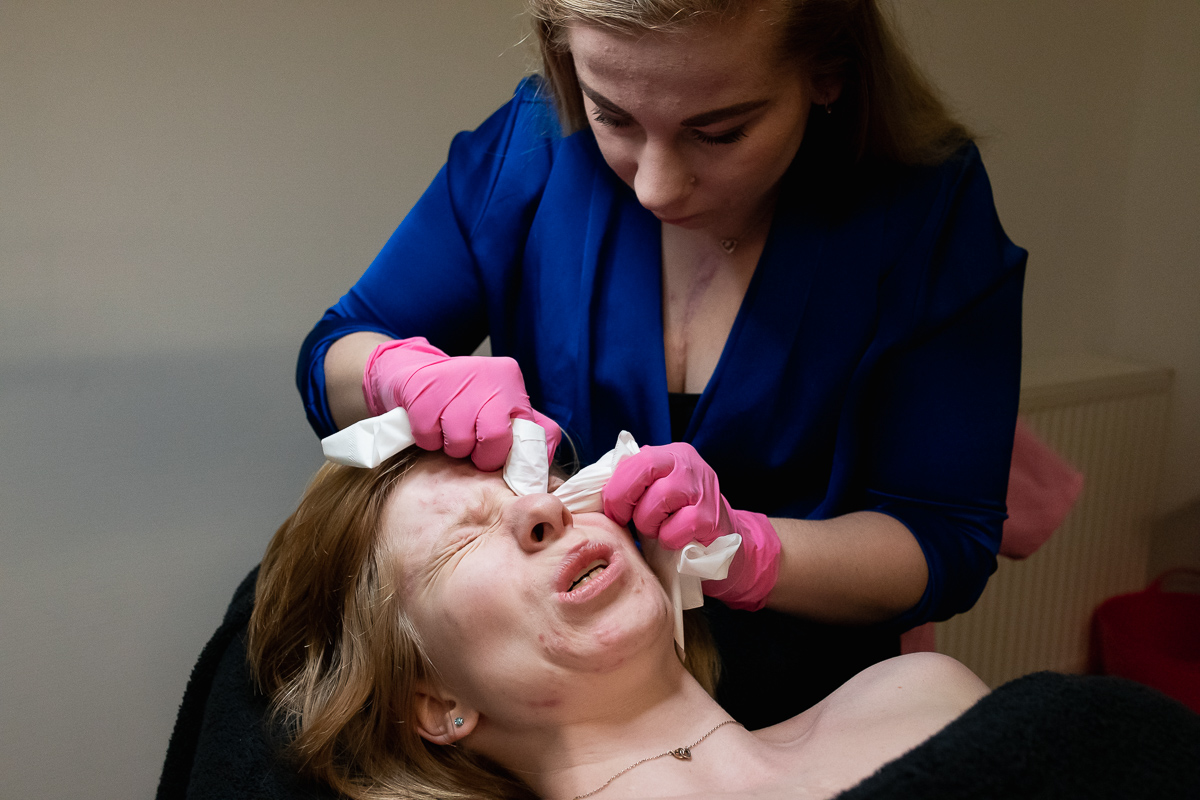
x: 729, y: 245
x: 683, y: 753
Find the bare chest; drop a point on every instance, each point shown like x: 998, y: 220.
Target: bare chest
x: 703, y: 289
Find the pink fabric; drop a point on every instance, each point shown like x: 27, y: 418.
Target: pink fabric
x: 461, y: 405
x: 671, y: 494
x: 1042, y: 488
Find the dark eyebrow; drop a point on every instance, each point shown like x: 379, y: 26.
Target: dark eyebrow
x: 697, y: 121
x: 722, y: 114
x: 601, y: 100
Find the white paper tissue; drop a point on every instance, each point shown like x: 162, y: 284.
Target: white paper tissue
x: 371, y: 441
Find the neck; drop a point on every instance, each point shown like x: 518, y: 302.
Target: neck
x: 752, y: 227
x: 561, y: 760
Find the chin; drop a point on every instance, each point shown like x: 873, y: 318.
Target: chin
x: 692, y: 222
x: 640, y: 625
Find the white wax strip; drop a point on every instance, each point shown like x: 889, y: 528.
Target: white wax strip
x: 581, y: 492
x: 527, y: 470
x: 370, y: 442
x: 681, y: 571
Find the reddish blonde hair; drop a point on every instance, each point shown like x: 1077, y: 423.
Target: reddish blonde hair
x: 331, y: 645
x: 887, y: 110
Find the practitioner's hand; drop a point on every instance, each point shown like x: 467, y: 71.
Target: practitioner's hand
x: 669, y: 492
x: 461, y: 405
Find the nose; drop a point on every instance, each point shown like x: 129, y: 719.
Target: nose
x: 537, y: 520
x: 663, y: 180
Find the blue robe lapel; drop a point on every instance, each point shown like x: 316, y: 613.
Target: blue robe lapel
x: 748, y: 386
x: 629, y: 382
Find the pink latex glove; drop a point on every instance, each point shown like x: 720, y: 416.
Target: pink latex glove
x: 461, y: 405
x: 670, y: 493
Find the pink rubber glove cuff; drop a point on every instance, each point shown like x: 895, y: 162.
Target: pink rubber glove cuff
x: 755, y: 568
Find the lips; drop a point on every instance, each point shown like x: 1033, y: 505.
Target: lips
x: 587, y: 571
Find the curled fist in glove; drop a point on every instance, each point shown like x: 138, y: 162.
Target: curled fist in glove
x: 458, y: 404
x: 670, y: 493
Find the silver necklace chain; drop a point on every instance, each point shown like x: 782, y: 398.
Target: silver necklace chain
x: 681, y: 753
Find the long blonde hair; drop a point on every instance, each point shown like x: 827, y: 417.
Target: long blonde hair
x: 329, y: 642
x: 887, y: 111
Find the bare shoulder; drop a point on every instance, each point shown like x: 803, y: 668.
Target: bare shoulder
x: 875, y: 717
x: 927, y: 686
x: 921, y: 693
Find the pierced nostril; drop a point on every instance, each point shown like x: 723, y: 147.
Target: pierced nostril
x: 539, y: 531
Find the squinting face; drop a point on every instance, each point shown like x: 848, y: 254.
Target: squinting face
x: 702, y: 124
x: 514, y: 598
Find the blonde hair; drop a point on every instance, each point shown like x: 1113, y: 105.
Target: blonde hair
x: 329, y: 642
x: 887, y: 110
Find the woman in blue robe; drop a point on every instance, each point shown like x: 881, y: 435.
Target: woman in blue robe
x: 750, y: 227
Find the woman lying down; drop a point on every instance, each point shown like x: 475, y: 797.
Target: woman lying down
x: 424, y: 632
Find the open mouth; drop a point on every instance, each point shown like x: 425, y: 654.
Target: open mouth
x: 592, y: 570
x: 588, y: 572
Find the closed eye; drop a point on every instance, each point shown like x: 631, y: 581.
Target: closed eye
x: 607, y: 119
x: 482, y: 516
x: 458, y: 541
x: 729, y: 137
x: 735, y: 135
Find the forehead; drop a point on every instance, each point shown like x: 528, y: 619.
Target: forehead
x: 747, y: 46
x: 435, y: 493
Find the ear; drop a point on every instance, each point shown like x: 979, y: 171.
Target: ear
x: 436, y: 712
x: 826, y: 90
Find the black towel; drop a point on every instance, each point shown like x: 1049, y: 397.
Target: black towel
x: 222, y: 748
x: 1049, y: 735
x: 1042, y: 736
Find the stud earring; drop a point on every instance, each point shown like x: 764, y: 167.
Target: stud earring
x: 458, y: 722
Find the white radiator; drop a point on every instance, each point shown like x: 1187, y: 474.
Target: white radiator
x: 1109, y: 420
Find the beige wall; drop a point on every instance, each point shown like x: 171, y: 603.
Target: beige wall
x: 1091, y: 119
x: 1158, y: 289
x: 186, y: 184
x: 197, y: 175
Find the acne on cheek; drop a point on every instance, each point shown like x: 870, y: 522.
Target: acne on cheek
x: 543, y: 704
x: 540, y: 700
x: 551, y: 643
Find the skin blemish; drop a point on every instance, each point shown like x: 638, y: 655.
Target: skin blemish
x: 700, y: 283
